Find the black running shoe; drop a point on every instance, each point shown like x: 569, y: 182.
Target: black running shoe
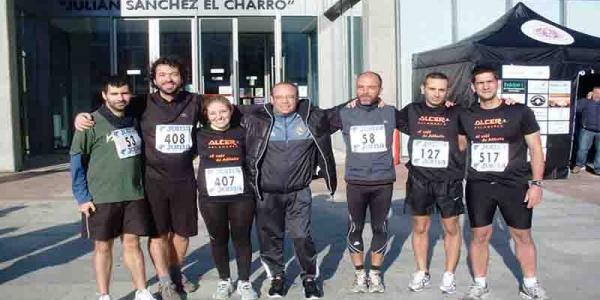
x: 277, y: 286
x: 311, y: 289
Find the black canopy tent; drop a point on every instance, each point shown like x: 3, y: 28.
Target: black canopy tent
x: 504, y: 42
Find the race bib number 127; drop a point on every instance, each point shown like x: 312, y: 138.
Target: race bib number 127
x: 489, y: 157
x: 173, y: 138
x: 430, y: 154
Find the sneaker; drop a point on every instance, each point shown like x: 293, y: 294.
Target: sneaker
x: 360, y: 284
x: 419, y: 281
x: 224, y: 290
x: 104, y: 297
x: 576, y: 169
x: 245, y: 290
x: 168, y: 292
x: 476, y: 292
x: 277, y: 286
x: 376, y: 282
x: 143, y: 295
x: 536, y: 292
x: 187, y: 285
x: 311, y: 289
x: 448, y: 285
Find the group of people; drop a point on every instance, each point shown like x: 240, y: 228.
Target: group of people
x: 133, y: 175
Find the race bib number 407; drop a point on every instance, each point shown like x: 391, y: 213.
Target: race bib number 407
x: 173, y: 138
x: 367, y: 139
x: 224, y: 181
x: 127, y: 142
x: 489, y: 157
x: 430, y: 154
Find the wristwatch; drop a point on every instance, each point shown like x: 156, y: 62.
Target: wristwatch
x: 539, y: 183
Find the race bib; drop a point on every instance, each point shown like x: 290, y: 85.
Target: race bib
x: 430, y: 154
x: 224, y: 181
x: 367, y: 139
x: 173, y: 138
x: 127, y: 142
x: 489, y: 157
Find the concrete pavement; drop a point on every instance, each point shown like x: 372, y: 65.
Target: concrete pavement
x: 42, y: 256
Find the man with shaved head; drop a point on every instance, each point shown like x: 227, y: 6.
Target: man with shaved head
x: 286, y: 144
x: 367, y: 128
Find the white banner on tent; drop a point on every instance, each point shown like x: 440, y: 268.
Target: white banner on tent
x: 525, y: 72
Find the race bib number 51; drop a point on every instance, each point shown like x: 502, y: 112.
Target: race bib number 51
x: 127, y: 142
x: 367, y: 139
x: 224, y: 181
x: 489, y: 157
x: 173, y: 138
x: 430, y: 154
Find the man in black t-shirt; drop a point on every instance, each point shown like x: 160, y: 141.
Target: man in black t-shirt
x: 435, y: 176
x: 499, y: 137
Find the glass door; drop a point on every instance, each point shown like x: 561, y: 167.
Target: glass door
x: 217, y: 57
x: 299, y: 54
x: 256, y: 71
x: 131, y: 51
x: 175, y: 40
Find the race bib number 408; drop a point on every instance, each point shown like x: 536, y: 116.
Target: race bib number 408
x: 127, y: 142
x: 224, y: 181
x: 367, y: 139
x: 173, y: 138
x: 489, y: 157
x: 430, y: 154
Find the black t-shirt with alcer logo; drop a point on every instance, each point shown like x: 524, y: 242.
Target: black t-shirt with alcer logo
x: 222, y: 172
x: 497, y: 147
x: 433, y: 144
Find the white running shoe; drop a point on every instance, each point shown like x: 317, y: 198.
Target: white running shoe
x: 246, y: 291
x: 448, y: 285
x: 419, y: 281
x: 143, y: 295
x: 224, y: 290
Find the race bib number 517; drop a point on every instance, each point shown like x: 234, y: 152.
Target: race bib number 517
x: 489, y: 157
x: 173, y: 138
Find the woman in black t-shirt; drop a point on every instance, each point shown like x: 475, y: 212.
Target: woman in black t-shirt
x: 226, y: 200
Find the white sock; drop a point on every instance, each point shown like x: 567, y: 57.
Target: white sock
x: 447, y: 278
x: 480, y: 281
x: 529, y: 281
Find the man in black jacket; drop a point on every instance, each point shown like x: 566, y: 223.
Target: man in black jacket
x: 287, y: 141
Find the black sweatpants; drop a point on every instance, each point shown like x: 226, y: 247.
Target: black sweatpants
x: 378, y: 198
x: 221, y: 219
x: 277, y: 214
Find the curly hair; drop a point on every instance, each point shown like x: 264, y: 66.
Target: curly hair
x: 171, y: 62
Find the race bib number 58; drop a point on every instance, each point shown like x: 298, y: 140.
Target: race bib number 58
x: 224, y: 181
x: 489, y: 157
x: 367, y: 139
x: 127, y: 142
x: 430, y: 154
x: 173, y: 138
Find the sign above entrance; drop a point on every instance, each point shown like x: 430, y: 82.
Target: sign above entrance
x: 177, y: 8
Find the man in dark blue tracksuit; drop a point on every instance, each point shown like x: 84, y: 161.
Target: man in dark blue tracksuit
x: 286, y: 141
x: 590, y: 130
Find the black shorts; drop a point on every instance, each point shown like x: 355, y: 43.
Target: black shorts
x: 483, y: 197
x: 111, y: 220
x: 173, y: 205
x: 423, y: 198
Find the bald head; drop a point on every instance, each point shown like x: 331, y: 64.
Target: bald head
x: 368, y: 87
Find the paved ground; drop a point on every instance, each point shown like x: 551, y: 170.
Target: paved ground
x: 41, y: 256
